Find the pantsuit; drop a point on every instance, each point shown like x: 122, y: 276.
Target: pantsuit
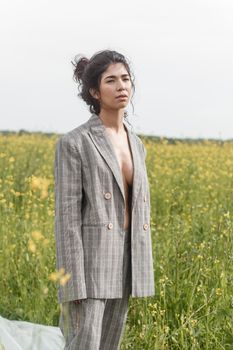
x: 98, y: 324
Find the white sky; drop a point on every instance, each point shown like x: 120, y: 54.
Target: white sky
x: 181, y: 53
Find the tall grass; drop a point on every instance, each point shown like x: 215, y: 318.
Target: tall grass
x: 192, y: 224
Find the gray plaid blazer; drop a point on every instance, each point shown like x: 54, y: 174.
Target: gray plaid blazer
x: 89, y: 214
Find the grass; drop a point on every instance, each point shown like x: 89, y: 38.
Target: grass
x: 191, y: 188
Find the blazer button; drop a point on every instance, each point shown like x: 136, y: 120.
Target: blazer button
x: 107, y: 195
x: 110, y: 226
x: 145, y: 226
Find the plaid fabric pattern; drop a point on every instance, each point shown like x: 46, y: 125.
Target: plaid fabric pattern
x: 98, y: 323
x: 89, y: 215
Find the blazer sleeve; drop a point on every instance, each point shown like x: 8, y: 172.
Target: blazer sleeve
x: 144, y: 150
x: 142, y: 146
x: 68, y: 222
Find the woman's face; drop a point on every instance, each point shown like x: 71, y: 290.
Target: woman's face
x: 115, y: 81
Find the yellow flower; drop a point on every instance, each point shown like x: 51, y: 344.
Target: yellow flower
x: 31, y: 246
x: 202, y: 245
x: 218, y: 291
x: 193, y: 322
x: 57, y: 275
x: 61, y: 276
x: 162, y: 312
x: 40, y: 183
x: 37, y: 235
x: 61, y: 271
x: 162, y: 293
x: 45, y: 241
x: 54, y: 276
x: 44, y: 194
x: 64, y: 279
x: 35, y: 182
x: 45, y: 290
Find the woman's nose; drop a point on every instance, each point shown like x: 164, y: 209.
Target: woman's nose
x: 121, y: 85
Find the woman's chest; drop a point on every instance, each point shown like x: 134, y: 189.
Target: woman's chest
x: 123, y: 153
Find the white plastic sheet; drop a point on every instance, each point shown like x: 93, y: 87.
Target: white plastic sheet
x: 21, y: 335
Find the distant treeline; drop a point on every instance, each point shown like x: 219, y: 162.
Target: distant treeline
x: 158, y: 139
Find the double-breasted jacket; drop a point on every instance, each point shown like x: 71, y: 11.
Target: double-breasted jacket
x: 89, y: 215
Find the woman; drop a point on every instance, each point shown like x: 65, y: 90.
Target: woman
x: 102, y: 210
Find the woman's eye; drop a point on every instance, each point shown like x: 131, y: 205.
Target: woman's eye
x: 126, y: 79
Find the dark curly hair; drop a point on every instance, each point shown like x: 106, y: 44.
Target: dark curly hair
x: 88, y: 73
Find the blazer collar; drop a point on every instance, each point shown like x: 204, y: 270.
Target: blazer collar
x: 101, y: 140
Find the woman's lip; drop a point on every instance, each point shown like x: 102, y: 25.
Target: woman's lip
x: 121, y: 97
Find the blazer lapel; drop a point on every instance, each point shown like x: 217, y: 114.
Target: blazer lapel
x: 99, y: 137
x: 137, y: 163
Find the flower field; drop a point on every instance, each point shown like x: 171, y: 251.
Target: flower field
x: 191, y: 186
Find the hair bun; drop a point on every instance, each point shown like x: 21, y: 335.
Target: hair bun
x: 80, y: 64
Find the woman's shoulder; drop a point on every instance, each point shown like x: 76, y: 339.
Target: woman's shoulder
x: 74, y: 136
x: 141, y: 145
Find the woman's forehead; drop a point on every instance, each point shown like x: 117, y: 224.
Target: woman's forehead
x: 115, y: 69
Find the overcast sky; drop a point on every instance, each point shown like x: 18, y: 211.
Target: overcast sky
x: 181, y: 53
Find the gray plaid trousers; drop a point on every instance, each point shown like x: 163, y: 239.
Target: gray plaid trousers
x: 98, y: 324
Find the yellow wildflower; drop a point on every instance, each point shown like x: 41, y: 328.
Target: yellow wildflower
x: 31, y: 246
x: 45, y: 241
x: 218, y: 291
x: 37, y: 235
x: 64, y: 279
x: 54, y: 276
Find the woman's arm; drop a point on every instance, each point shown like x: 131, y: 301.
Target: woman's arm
x: 68, y: 221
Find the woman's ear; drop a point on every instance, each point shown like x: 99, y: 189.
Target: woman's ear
x: 94, y: 93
